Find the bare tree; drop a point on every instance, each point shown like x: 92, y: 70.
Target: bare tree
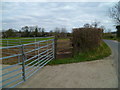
x: 63, y: 33
x: 51, y: 32
x: 115, y: 13
x: 103, y: 28
x: 57, y: 30
x: 43, y: 32
x: 95, y: 24
x: 87, y: 25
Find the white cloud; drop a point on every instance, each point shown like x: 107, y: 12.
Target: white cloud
x: 60, y: 0
x: 51, y: 15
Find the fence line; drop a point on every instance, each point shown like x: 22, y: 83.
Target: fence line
x: 20, y: 62
x: 12, y: 42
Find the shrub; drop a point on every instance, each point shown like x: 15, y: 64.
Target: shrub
x: 85, y: 39
x: 118, y: 30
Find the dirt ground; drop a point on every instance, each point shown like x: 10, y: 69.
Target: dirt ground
x: 64, y: 48
x: 92, y: 74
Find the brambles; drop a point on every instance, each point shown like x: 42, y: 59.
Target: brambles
x: 85, y: 39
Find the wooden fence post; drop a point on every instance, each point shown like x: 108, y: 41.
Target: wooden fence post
x: 71, y: 45
x: 55, y: 48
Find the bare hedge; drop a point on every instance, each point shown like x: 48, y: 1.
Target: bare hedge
x: 85, y: 39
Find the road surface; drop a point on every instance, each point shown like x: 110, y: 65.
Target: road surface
x: 92, y: 74
x: 115, y: 47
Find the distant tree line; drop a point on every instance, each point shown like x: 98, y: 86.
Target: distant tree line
x: 35, y: 31
x: 60, y: 33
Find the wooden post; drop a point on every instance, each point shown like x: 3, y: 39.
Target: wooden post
x: 71, y: 45
x: 55, y: 48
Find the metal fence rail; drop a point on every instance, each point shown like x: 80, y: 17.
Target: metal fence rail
x: 12, y: 42
x: 20, y: 62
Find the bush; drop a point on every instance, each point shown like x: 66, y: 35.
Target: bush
x: 118, y: 30
x: 85, y: 39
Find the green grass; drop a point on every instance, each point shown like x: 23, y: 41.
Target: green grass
x: 118, y: 39
x: 24, y: 41
x: 110, y: 37
x: 114, y: 38
x: 63, y: 38
x: 98, y: 53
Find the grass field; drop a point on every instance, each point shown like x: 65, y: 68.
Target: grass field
x: 21, y: 40
x: 98, y: 53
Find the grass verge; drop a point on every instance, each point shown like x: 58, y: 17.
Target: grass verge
x: 115, y: 38
x: 118, y: 39
x: 98, y: 53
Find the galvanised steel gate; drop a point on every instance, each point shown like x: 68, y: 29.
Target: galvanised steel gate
x: 20, y: 62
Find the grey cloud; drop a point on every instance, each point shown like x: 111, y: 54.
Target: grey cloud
x: 51, y: 15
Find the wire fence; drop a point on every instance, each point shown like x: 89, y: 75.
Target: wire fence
x: 20, y: 62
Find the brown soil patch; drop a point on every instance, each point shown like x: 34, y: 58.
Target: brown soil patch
x: 64, y: 49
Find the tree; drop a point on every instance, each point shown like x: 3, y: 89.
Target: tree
x: 39, y: 29
x: 43, y: 32
x: 87, y: 25
x: 115, y: 13
x: 63, y: 30
x: 36, y: 32
x: 57, y: 32
x: 95, y: 24
x: 51, y: 33
x: 10, y: 33
x: 63, y: 33
x: 4, y: 35
x: 103, y: 28
x: 118, y: 31
x: 26, y: 31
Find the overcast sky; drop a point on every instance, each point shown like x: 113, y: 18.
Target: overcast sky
x: 60, y: 14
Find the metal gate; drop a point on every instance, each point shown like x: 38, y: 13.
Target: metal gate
x: 20, y: 62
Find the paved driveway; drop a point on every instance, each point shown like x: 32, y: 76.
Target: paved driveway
x: 92, y: 74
